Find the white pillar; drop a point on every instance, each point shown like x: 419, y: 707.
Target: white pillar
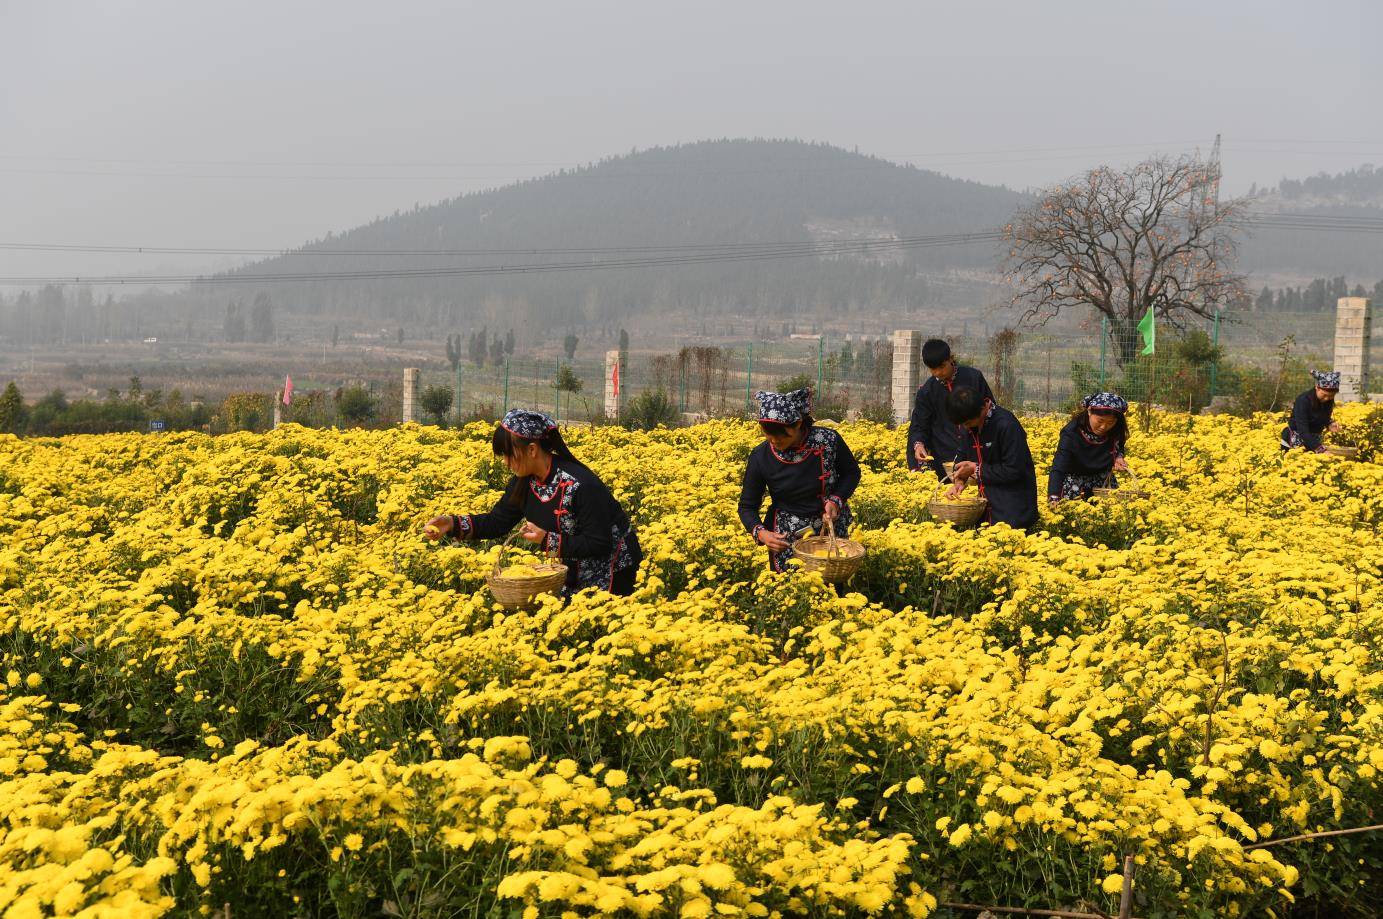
x: 411, y: 377
x: 615, y: 385
x: 907, y: 372
x: 278, y: 408
x: 1353, y: 326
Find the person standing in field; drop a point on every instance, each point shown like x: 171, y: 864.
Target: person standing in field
x: 567, y: 511
x: 1311, y: 413
x: 1090, y: 449
x: 808, y: 472
x: 932, y: 438
x: 996, y: 457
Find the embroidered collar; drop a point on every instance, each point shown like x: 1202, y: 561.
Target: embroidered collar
x: 1091, y: 437
x: 546, y: 489
x: 810, y: 446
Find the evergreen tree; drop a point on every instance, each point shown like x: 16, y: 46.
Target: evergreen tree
x: 13, y: 413
x: 478, y: 347
x: 355, y: 405
x: 436, y: 402
x: 262, y: 319
x: 233, y: 326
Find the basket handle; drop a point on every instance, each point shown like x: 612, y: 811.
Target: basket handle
x: 499, y: 559
x: 1109, y: 476
x: 939, y: 485
x: 1132, y: 479
x: 830, y: 527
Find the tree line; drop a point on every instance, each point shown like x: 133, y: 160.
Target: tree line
x: 1319, y: 295
x: 136, y: 409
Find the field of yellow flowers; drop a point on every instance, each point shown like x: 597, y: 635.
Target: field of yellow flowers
x: 237, y: 681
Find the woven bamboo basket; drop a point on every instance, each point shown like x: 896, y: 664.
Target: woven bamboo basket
x: 521, y: 592
x: 1342, y: 452
x: 842, y: 557
x: 962, y: 512
x: 1132, y: 493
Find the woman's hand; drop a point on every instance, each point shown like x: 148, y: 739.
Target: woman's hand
x: 829, y: 512
x: 919, y: 452
x: 962, y: 471
x: 1053, y: 500
x: 1120, y: 464
x: 1334, y: 427
x: 532, y: 532
x: 775, y: 541
x: 437, y: 527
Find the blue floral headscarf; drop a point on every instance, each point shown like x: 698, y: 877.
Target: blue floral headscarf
x: 784, y: 408
x: 527, y: 424
x: 1108, y: 401
x: 1327, y: 379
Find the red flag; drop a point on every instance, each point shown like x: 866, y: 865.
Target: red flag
x: 614, y: 377
x: 287, y: 390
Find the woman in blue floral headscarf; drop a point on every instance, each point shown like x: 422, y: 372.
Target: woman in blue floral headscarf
x: 1311, y: 413
x: 1091, y: 448
x: 566, y: 510
x: 808, y: 472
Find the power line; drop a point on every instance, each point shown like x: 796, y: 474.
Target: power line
x: 628, y: 257
x: 1361, y: 222
x: 590, y: 170
x: 666, y: 260
x: 522, y: 250
x: 422, y: 164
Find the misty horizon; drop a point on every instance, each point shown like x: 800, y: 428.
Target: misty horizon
x: 155, y: 124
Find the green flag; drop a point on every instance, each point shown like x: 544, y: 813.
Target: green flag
x: 1148, y: 326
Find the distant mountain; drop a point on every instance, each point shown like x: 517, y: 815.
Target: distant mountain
x: 1357, y: 193
x: 726, y: 191
x: 736, y: 192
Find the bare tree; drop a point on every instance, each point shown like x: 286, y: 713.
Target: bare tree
x: 1122, y: 241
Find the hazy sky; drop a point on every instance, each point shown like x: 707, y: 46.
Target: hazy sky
x: 255, y: 124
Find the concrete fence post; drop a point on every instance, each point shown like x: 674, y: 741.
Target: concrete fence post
x: 1353, y: 326
x: 614, y: 384
x: 907, y: 372
x: 411, y: 378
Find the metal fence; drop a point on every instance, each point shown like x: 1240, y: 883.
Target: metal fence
x: 1041, y: 369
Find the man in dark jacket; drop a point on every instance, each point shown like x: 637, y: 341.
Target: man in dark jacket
x: 932, y: 439
x: 997, y: 458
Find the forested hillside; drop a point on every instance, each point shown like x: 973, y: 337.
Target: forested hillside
x: 715, y: 192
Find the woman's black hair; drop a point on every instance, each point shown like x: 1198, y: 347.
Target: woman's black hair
x: 506, y: 443
x: 963, y: 404
x: 778, y: 429
x: 1119, y: 432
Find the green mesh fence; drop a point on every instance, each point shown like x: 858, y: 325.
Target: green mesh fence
x: 1035, y: 370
